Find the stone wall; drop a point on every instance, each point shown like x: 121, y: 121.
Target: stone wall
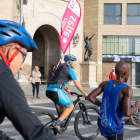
x: 9, y: 9
x: 50, y: 12
x: 94, y: 23
x: 36, y: 14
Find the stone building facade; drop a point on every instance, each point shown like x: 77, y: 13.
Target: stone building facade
x: 117, y: 28
x: 116, y: 25
x: 43, y: 22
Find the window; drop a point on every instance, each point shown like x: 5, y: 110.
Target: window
x: 121, y: 45
x: 137, y: 46
x: 112, y: 13
x: 133, y: 77
x: 133, y: 14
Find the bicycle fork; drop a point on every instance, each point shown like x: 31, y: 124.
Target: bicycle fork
x: 86, y: 119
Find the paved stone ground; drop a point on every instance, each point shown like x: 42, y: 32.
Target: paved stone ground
x: 28, y: 93
x: 131, y: 132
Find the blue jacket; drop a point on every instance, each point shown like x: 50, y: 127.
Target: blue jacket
x: 34, y: 76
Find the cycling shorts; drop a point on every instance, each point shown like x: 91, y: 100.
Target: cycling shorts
x: 58, y: 96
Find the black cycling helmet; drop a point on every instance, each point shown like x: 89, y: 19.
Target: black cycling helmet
x: 12, y: 32
x: 70, y: 57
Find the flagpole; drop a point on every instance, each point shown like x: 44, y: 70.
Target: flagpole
x: 73, y: 15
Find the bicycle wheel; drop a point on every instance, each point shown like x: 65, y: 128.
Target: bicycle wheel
x: 126, y: 120
x: 135, y: 118
x: 47, y: 118
x: 86, y: 128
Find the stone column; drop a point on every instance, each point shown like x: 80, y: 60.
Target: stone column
x: 88, y: 74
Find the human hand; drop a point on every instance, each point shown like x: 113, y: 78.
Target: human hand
x: 137, y: 104
x: 86, y: 96
x: 69, y: 91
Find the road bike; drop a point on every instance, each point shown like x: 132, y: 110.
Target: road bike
x: 85, y: 123
x: 135, y: 118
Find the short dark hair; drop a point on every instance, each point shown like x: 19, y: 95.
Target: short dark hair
x: 4, y: 47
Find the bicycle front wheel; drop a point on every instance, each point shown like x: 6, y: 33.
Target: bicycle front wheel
x: 85, y: 124
x: 47, y: 118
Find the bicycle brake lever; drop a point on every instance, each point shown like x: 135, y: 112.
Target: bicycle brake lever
x: 71, y: 93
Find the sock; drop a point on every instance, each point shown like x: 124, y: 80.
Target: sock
x: 58, y: 121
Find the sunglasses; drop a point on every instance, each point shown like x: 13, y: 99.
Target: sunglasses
x: 23, y: 52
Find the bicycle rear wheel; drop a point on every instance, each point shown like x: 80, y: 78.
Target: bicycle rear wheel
x: 135, y: 118
x: 85, y: 126
x: 126, y: 120
x: 47, y: 118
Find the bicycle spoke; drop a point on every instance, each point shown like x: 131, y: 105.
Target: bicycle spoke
x: 136, y: 119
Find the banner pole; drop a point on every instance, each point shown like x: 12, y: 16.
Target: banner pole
x: 56, y: 67
x: 60, y: 61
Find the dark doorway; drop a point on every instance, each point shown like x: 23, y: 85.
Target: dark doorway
x: 48, y: 53
x: 138, y: 74
x: 38, y: 56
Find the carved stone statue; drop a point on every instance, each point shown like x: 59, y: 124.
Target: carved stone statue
x: 88, y: 47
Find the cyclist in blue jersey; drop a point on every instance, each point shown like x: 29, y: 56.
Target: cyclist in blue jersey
x: 54, y: 91
x: 116, y: 103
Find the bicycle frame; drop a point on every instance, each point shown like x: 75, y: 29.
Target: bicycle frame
x: 76, y: 102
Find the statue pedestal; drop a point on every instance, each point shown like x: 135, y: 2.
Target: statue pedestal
x: 88, y: 74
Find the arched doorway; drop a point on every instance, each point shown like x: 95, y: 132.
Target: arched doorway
x: 48, y: 53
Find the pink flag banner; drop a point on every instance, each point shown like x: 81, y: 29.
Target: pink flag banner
x: 69, y: 24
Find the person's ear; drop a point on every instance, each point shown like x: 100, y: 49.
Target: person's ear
x: 10, y: 52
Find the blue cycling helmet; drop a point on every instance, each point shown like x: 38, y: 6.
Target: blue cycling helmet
x: 70, y: 57
x: 12, y: 32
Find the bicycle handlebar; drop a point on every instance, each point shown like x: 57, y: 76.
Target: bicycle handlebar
x: 78, y: 95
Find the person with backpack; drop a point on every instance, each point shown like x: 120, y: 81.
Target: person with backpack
x: 115, y: 104
x: 57, y: 82
x: 15, y: 41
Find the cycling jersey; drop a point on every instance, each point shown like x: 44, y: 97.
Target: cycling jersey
x: 71, y: 76
x: 110, y: 118
x: 55, y: 91
x: 13, y: 105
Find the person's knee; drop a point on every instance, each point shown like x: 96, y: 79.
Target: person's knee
x: 61, y: 107
x: 71, y: 106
